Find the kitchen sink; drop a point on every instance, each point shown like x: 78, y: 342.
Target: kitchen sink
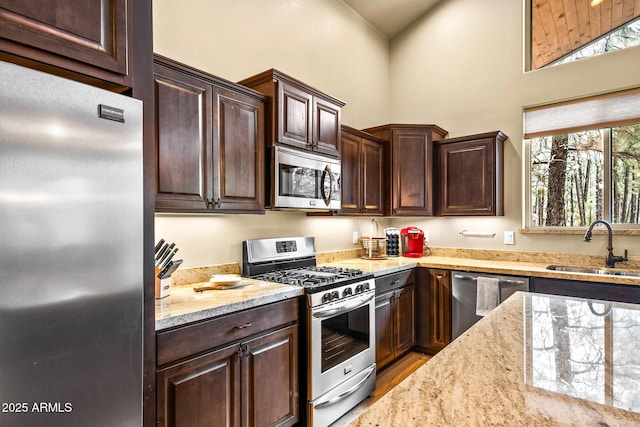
x: 599, y: 271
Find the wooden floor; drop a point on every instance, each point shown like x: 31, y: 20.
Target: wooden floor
x: 385, y: 380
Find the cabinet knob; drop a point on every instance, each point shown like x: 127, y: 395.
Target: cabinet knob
x: 216, y: 204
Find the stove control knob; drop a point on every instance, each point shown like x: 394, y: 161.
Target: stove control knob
x: 359, y: 288
x: 335, y: 295
x: 347, y: 292
x: 327, y: 297
x: 366, y: 286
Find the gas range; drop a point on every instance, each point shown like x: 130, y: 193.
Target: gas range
x: 338, y: 325
x: 292, y: 261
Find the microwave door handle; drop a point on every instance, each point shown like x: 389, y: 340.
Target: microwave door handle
x: 325, y: 172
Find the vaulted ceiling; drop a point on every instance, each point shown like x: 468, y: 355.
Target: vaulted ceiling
x: 558, y: 28
x: 391, y: 16
x: 562, y: 26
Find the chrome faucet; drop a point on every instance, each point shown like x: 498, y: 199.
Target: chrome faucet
x: 611, y: 259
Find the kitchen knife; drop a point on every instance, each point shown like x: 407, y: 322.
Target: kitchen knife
x: 166, y: 254
x: 169, y: 269
x: 162, y: 251
x: 166, y: 261
x: 158, y: 246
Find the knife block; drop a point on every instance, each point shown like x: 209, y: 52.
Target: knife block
x: 163, y: 286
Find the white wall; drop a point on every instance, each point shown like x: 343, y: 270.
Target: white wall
x: 461, y: 67
x: 324, y: 43
x: 321, y: 42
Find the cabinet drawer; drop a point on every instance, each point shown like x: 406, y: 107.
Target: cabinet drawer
x: 192, y: 339
x: 394, y: 281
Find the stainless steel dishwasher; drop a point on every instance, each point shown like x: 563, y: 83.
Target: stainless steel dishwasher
x: 464, y: 301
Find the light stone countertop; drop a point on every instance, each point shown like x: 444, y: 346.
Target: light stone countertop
x: 518, y: 268
x: 184, y: 305
x: 536, y: 360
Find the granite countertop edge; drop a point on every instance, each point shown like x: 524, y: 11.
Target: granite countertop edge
x: 519, y: 268
x: 236, y: 303
x: 243, y: 300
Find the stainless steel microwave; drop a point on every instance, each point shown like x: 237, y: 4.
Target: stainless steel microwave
x: 304, y: 180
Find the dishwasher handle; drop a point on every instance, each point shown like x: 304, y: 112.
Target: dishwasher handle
x: 502, y: 282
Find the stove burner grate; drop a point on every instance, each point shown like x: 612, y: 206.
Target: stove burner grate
x: 311, y: 277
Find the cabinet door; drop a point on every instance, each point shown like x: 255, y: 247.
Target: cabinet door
x: 351, y: 185
x: 372, y: 177
x: 405, y: 336
x: 204, y: 391
x: 238, y: 152
x: 439, y: 308
x: 80, y: 35
x: 326, y: 127
x: 470, y: 176
x: 294, y: 116
x: 384, y: 330
x: 412, y: 167
x: 183, y: 147
x: 270, y: 379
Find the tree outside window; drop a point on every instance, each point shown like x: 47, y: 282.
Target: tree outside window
x: 571, y: 180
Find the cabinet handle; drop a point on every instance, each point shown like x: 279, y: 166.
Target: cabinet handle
x: 396, y: 282
x: 246, y: 325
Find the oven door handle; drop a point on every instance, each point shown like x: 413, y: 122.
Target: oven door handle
x: 333, y: 400
x: 347, y: 307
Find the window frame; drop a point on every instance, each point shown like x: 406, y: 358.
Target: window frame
x: 603, y: 111
x: 607, y: 142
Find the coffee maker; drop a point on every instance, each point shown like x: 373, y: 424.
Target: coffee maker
x: 412, y: 242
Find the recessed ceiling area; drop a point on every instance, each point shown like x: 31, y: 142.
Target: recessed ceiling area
x: 391, y: 16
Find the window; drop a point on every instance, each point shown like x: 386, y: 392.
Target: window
x: 562, y: 31
x: 626, y: 36
x: 584, y: 162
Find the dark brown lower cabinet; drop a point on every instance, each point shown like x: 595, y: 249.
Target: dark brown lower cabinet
x: 395, y: 316
x: 202, y: 391
x: 433, y: 323
x: 270, y: 379
x: 252, y: 381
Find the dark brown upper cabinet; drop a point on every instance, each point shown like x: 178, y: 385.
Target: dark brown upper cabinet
x: 93, y: 38
x: 363, y: 173
x: 209, y: 143
x: 410, y: 160
x: 300, y: 116
x: 469, y: 174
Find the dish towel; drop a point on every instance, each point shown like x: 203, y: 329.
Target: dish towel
x: 488, y: 295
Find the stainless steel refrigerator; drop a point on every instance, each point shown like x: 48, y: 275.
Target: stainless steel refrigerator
x: 71, y: 253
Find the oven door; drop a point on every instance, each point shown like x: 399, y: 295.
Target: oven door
x: 341, y: 340
x: 305, y: 180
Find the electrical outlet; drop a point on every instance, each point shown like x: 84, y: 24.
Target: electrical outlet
x: 426, y: 236
x: 509, y: 238
x: 356, y: 238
